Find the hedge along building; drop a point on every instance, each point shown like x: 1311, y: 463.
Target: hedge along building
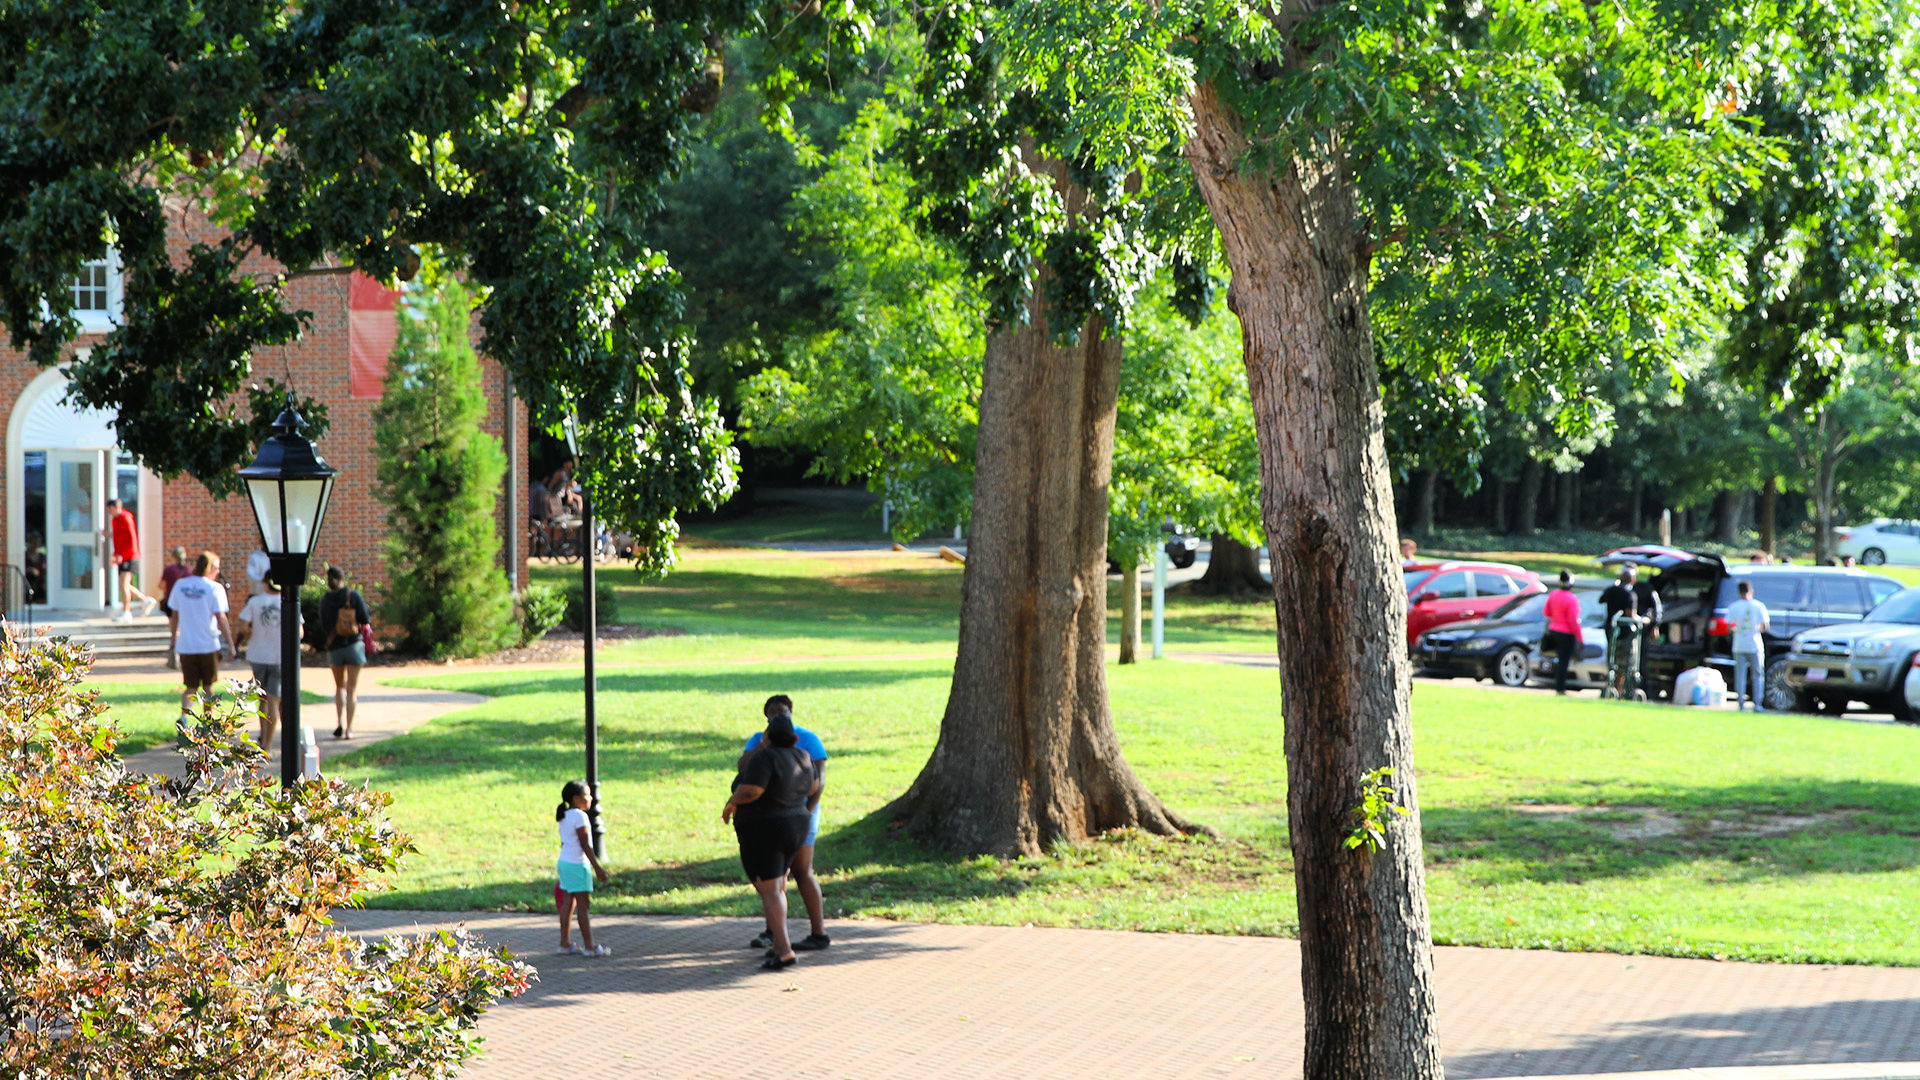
x: 63, y: 462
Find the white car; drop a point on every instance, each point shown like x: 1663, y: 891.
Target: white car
x: 1880, y: 541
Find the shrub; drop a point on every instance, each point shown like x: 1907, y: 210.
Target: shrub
x: 438, y: 474
x: 154, y: 928
x: 604, y: 604
x: 541, y: 609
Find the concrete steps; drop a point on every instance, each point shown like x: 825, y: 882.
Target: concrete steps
x: 141, y: 637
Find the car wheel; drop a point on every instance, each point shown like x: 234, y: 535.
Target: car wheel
x: 1778, y: 695
x: 1510, y: 667
x: 1873, y: 557
x: 1182, y: 560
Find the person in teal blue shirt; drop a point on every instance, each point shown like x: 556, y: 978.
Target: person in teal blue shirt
x: 802, y: 871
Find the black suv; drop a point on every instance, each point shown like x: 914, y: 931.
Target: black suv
x: 1695, y: 591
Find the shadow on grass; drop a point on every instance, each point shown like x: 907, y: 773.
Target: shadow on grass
x: 790, y: 680
x: 1829, y: 1032
x: 1764, y: 830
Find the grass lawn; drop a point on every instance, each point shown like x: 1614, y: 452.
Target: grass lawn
x: 759, y: 605
x: 1549, y: 823
x: 145, y: 712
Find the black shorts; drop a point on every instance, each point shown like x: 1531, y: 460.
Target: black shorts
x: 131, y: 566
x: 768, y: 845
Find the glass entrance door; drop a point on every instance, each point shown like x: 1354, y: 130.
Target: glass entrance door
x: 76, y: 511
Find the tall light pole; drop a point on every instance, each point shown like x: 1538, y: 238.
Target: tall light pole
x: 289, y: 486
x: 588, y: 545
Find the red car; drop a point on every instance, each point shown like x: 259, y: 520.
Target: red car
x: 1444, y: 592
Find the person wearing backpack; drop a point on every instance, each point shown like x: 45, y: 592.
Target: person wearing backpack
x: 343, y: 615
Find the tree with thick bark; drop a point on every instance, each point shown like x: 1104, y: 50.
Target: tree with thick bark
x: 1027, y: 753
x: 1349, y: 152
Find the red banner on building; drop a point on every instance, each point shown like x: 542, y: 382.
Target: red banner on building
x: 371, y: 310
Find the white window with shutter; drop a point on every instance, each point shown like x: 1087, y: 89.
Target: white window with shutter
x: 95, y: 293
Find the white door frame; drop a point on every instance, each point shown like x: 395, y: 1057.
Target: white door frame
x: 90, y: 434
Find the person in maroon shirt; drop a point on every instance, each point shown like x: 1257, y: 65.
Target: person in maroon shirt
x: 175, y: 570
x: 126, y: 559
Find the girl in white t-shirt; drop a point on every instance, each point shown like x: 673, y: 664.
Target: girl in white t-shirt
x: 576, y: 854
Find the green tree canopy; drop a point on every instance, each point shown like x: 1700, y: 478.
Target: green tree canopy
x: 525, y: 141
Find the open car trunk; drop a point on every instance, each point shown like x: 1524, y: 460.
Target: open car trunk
x: 1687, y: 584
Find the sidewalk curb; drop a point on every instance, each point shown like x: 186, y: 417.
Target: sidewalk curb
x: 1866, y: 1070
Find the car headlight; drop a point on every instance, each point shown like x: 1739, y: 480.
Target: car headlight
x: 1479, y: 644
x: 1872, y: 649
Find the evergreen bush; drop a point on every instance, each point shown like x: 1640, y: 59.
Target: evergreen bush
x: 542, y: 608
x: 438, y: 476
x: 604, y: 605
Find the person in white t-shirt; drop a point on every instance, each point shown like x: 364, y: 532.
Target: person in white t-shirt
x: 576, y: 853
x: 260, y: 632
x: 198, y: 618
x: 1749, y: 619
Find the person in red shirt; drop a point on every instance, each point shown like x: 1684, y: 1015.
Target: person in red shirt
x: 1563, y: 630
x: 126, y: 559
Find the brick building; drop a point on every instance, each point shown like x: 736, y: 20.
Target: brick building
x: 62, y: 462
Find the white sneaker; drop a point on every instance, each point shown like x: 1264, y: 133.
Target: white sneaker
x: 147, y: 610
x: 126, y: 615
x: 597, y: 951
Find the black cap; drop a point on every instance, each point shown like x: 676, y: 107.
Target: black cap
x: 780, y: 723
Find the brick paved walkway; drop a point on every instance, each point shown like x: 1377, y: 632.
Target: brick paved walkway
x: 682, y: 997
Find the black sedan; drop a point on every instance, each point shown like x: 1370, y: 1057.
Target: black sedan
x: 1495, y: 647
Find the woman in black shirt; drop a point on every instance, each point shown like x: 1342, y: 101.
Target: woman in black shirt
x: 768, y: 809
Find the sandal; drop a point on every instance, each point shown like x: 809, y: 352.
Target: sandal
x: 774, y: 963
x: 812, y: 942
x: 763, y: 941
x: 337, y: 730
x: 567, y: 950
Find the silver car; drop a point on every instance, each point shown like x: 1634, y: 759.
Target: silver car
x: 1867, y: 661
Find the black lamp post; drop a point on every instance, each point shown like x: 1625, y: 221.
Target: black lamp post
x: 589, y: 543
x: 289, y: 486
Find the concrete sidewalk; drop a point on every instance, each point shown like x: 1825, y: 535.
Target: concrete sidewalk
x: 683, y: 998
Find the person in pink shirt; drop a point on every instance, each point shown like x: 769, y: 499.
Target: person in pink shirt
x: 1563, y: 629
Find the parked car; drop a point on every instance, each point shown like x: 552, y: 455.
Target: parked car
x: 1867, y: 661
x: 1880, y: 541
x: 1696, y: 589
x: 1444, y: 592
x: 1496, y: 647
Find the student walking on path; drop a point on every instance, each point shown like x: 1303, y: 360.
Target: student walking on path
x: 260, y: 632
x: 768, y: 809
x: 802, y: 870
x: 1749, y: 619
x: 124, y: 538
x: 343, y: 612
x: 199, y: 625
x: 1563, y: 629
x: 576, y: 882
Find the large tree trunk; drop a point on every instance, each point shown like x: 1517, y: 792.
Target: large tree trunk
x: 1500, y: 507
x: 1563, y: 502
x: 1726, y: 514
x: 1769, y: 505
x: 1528, y: 518
x: 1294, y: 244
x: 1027, y: 753
x: 1634, y: 499
x: 1130, y: 611
x: 1233, y: 569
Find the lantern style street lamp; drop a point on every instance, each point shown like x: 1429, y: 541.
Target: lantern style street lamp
x: 289, y: 486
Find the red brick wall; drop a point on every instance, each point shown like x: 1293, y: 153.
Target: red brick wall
x: 316, y: 366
